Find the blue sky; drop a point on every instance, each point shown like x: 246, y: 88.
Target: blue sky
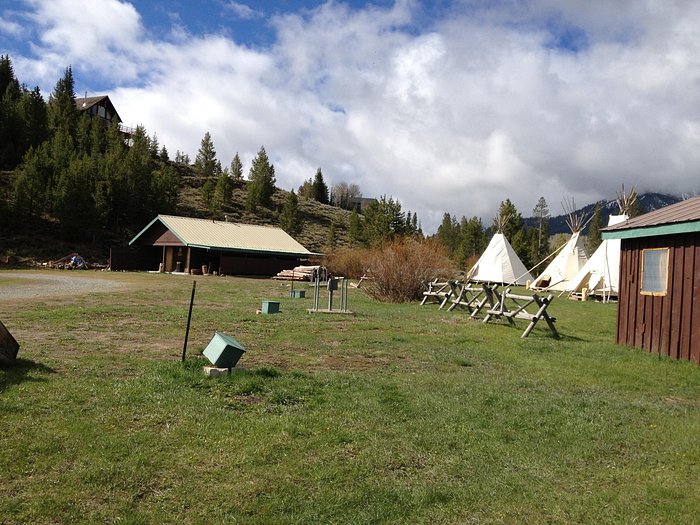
x: 449, y: 106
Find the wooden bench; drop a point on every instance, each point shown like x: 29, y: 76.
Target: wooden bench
x: 471, y: 296
x: 510, y: 306
x: 437, y: 292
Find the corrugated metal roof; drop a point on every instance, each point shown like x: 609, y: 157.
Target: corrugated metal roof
x: 676, y: 218
x: 233, y: 236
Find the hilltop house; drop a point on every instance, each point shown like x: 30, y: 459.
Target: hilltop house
x: 183, y: 244
x: 101, y: 107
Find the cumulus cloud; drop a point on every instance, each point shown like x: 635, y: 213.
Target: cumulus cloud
x: 451, y: 113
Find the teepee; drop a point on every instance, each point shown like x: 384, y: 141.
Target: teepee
x: 499, y: 263
x: 571, y: 257
x: 601, y: 274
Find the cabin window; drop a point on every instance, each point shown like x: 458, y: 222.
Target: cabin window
x: 655, y: 271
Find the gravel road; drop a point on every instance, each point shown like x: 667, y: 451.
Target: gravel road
x: 44, y: 285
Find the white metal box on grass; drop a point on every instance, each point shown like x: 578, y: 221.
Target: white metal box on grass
x: 223, y: 351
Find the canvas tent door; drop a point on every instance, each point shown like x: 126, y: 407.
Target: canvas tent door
x: 564, y: 267
x: 601, y: 274
x: 500, y: 264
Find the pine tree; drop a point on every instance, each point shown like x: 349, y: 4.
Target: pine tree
x: 355, y: 228
x: 320, y: 190
x: 290, y: 217
x: 208, y: 189
x: 236, y: 168
x: 332, y: 239
x: 594, y: 238
x: 62, y: 112
x: 223, y: 192
x: 205, y: 163
x: 261, y: 182
x: 540, y: 247
x: 448, y: 233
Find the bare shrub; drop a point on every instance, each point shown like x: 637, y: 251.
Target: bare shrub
x: 398, y: 269
x: 348, y: 262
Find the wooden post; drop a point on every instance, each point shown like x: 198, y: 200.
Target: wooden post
x: 189, y: 318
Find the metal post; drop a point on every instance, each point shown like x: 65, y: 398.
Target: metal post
x: 189, y: 318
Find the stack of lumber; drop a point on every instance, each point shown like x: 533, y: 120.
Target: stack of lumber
x: 300, y: 273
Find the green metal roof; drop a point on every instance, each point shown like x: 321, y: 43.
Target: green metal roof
x: 228, y: 236
x: 682, y: 217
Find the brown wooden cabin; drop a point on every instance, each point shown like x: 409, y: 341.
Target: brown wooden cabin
x: 659, y: 296
x: 184, y: 245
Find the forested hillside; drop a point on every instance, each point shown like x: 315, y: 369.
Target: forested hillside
x: 69, y: 182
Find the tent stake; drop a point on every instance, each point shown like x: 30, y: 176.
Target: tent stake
x: 189, y: 318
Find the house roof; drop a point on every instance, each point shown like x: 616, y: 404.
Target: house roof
x: 228, y: 236
x: 85, y: 103
x: 682, y: 217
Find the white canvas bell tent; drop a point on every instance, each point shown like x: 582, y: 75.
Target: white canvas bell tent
x: 572, y: 257
x: 500, y: 264
x: 601, y: 274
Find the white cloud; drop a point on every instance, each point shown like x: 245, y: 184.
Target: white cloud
x: 242, y: 11
x: 479, y: 107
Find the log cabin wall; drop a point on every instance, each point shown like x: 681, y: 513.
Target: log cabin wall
x: 666, y: 324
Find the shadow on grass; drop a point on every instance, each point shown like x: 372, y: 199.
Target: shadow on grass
x: 19, y: 372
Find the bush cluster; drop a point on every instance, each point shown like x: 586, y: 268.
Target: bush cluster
x: 397, y: 270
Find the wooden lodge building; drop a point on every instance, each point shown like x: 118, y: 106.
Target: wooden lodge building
x: 659, y: 294
x: 182, y: 244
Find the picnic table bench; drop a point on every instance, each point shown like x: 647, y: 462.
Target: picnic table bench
x: 472, y: 296
x: 437, y: 292
x: 510, y: 306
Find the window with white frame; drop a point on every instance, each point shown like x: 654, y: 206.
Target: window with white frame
x: 655, y: 271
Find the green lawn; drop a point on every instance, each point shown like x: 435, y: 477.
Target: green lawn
x: 397, y: 414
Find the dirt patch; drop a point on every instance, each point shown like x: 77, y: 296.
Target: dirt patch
x: 29, y: 285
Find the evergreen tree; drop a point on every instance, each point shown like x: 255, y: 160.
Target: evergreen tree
x: 355, y: 228
x: 472, y: 240
x: 153, y: 146
x: 11, y: 123
x: 166, y: 189
x: 32, y: 182
x: 512, y: 228
x: 223, y: 192
x: 448, y: 233
x: 594, y: 238
x: 208, y: 189
x: 236, y: 168
x: 540, y: 247
x: 62, y: 112
x: 290, y: 217
x: 320, y: 190
x: 75, y: 203
x: 205, y: 163
x: 384, y: 220
x: 332, y: 235
x: 261, y: 182
x: 35, y: 115
x: 163, y: 154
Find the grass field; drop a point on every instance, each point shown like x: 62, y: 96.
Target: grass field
x: 397, y: 414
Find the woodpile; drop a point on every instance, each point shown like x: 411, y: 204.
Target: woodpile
x: 302, y: 273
